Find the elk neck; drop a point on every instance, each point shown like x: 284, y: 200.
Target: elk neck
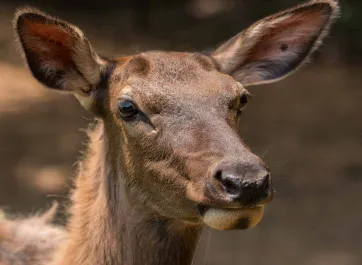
x: 107, y: 227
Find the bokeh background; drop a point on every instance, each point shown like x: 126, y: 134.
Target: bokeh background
x: 308, y: 127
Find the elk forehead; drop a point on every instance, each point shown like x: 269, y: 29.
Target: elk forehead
x: 172, y: 79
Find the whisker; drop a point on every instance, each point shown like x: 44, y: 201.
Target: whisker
x: 263, y: 153
x: 207, y: 246
x: 197, y: 246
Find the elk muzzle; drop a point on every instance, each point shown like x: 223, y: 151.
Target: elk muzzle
x: 238, y: 190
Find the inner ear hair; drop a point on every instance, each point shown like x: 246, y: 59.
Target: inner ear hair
x: 57, y: 52
x: 276, y: 46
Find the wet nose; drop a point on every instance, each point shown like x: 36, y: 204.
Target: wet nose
x: 244, y: 182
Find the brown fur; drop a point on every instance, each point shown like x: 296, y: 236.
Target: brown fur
x: 140, y: 188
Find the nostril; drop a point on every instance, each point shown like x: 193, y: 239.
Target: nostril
x: 230, y: 184
x: 231, y: 187
x: 218, y: 175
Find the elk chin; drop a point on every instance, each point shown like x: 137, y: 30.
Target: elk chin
x: 232, y: 219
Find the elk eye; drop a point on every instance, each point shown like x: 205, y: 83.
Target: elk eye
x: 127, y: 109
x: 244, y: 99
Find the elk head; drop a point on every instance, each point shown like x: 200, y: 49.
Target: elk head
x: 171, y: 118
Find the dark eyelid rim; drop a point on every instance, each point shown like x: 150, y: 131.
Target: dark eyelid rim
x: 126, y: 97
x: 248, y: 94
x: 241, y: 106
x: 130, y: 99
x: 141, y: 115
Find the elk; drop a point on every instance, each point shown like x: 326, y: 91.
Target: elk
x: 164, y: 157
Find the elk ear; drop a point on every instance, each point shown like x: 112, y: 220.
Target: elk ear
x: 277, y: 45
x: 58, y: 54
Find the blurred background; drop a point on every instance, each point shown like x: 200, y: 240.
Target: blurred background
x: 307, y: 127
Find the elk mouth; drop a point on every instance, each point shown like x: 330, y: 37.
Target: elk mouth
x: 231, y: 219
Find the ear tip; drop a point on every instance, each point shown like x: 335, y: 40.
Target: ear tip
x: 27, y: 12
x: 331, y: 6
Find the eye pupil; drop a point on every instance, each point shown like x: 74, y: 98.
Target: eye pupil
x: 127, y: 109
x: 244, y: 99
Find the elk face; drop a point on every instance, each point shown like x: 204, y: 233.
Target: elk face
x: 170, y: 118
x: 177, y: 119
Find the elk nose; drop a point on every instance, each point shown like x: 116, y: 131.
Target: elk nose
x: 248, y: 184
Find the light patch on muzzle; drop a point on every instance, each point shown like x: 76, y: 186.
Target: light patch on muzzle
x: 228, y: 219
